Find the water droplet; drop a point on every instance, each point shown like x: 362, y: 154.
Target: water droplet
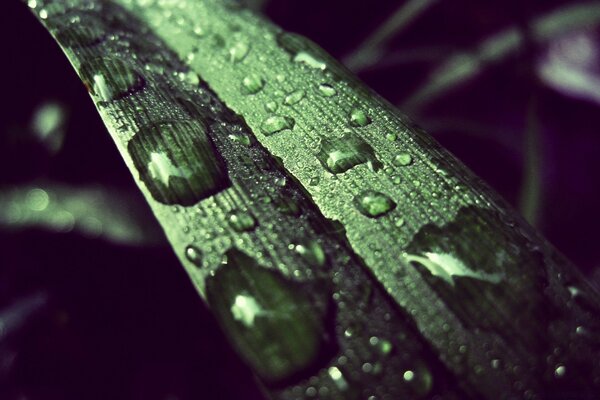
x: 419, y: 379
x: 110, y: 79
x: 338, y: 378
x: 327, y: 90
x: 402, y: 160
x: 287, y: 205
x: 177, y: 162
x: 338, y: 155
x: 198, y: 31
x: 271, y: 106
x: 274, y: 323
x: 373, y: 204
x: 277, y: 123
x: 359, y: 117
x: 194, y: 254
x: 241, y: 138
x: 252, y: 84
x: 391, y: 137
x: 189, y: 77
x: 241, y: 221
x: 560, y: 371
x: 312, y: 252
x: 294, y: 97
x: 309, y: 60
x: 238, y: 51
x: 37, y: 199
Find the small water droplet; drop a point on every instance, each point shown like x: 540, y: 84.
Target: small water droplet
x: 189, y: 77
x: 560, y: 371
x: 241, y: 221
x: 271, y: 106
x: 198, y: 31
x: 314, y: 181
x: 402, y: 160
x: 194, y: 254
x: 338, y: 378
x: 294, y: 97
x: 391, y: 137
x: 240, y: 138
x: 238, y: 51
x: 252, y: 84
x: 374, y: 204
x: 312, y: 252
x: 277, y: 123
x: 358, y: 117
x: 110, y: 79
x: 309, y: 60
x: 338, y: 155
x: 327, y: 90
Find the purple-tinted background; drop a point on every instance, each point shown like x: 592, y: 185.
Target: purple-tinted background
x: 123, y: 322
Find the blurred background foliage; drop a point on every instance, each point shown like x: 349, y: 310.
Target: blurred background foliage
x: 93, y: 303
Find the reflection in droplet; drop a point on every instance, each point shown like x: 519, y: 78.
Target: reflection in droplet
x: 338, y: 155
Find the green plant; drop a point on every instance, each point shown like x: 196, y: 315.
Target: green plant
x: 339, y: 246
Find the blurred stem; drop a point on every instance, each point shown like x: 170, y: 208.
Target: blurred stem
x: 90, y: 211
x: 530, y: 198
x: 371, y: 50
x: 464, y: 66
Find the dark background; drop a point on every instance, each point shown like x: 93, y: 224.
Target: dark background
x: 123, y: 322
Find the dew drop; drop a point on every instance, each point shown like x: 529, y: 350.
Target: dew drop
x: 240, y: 139
x: 326, y: 90
x: 241, y: 221
x: 560, y: 371
x: 358, y: 117
x: 271, y: 106
x: 309, y: 60
x: 391, y: 137
x: 402, y: 160
x: 273, y: 322
x: 294, y: 97
x: 238, y: 51
x: 338, y: 155
x: 312, y: 252
x: 194, y: 255
x: 252, y: 84
x: 177, y: 162
x: 110, y: 79
x: 373, y: 204
x: 277, y: 123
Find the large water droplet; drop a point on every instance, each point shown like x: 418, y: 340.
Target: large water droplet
x: 274, y: 323
x: 338, y: 155
x: 177, y: 162
x: 277, y: 123
x: 241, y: 221
x: 294, y: 97
x: 359, y: 117
x: 252, y: 84
x: 110, y: 79
x: 374, y: 204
